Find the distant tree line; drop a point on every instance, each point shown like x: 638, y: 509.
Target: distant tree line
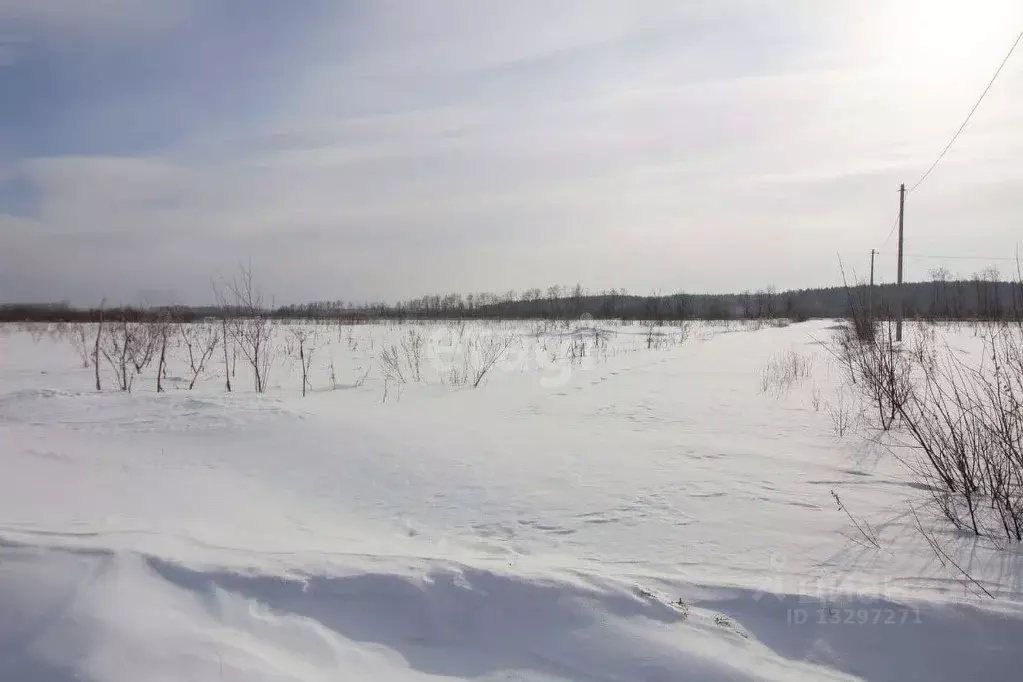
x: 982, y: 297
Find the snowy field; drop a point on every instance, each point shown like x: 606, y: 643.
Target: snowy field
x: 612, y: 502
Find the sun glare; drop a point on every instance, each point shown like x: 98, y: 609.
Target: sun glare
x: 936, y: 39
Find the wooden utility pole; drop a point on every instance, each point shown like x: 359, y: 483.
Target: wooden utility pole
x: 898, y: 289
x: 870, y: 294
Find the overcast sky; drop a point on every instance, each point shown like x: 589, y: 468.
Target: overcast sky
x: 384, y: 149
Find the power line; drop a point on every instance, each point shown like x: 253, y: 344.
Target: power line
x: 890, y: 233
x: 976, y: 106
x: 938, y: 257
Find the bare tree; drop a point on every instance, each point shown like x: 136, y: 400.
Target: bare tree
x: 748, y: 307
x: 160, y: 333
x: 940, y: 303
x: 115, y: 350
x: 305, y: 337
x: 250, y: 328
x: 554, y: 299
x: 201, y: 342
x: 577, y: 299
x: 128, y: 347
x: 143, y: 347
x: 227, y: 369
x: 763, y: 305
x: 95, y: 348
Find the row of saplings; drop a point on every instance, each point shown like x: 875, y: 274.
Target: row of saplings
x: 131, y: 344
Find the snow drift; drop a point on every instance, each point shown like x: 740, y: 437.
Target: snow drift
x: 652, y: 515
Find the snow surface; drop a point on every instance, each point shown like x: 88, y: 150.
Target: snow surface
x: 643, y: 512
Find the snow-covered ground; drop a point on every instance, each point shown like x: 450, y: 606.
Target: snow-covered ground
x: 638, y: 507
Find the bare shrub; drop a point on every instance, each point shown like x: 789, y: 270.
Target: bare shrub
x: 881, y: 368
x: 333, y: 374
x: 685, y: 329
x: 945, y: 559
x: 128, y: 347
x: 391, y: 365
x: 200, y: 341
x: 36, y: 330
x: 458, y: 372
x: 655, y: 338
x: 391, y: 385
x: 841, y: 413
x: 77, y: 336
x: 967, y: 421
x: 866, y: 532
x: 576, y: 350
x: 964, y: 419
x: 302, y: 345
x: 469, y: 356
x: 542, y: 328
x: 484, y: 354
x: 872, y: 358
x: 784, y: 371
x: 412, y: 345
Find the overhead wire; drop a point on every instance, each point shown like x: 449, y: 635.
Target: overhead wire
x: 969, y: 116
x: 941, y: 257
x: 959, y: 132
x: 890, y: 233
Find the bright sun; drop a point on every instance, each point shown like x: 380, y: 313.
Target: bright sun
x: 934, y: 39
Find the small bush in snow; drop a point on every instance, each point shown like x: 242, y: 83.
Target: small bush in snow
x: 784, y: 371
x: 841, y: 413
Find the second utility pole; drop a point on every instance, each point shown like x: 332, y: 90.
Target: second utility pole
x: 898, y: 289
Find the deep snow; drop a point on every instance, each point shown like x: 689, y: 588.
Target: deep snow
x: 637, y: 514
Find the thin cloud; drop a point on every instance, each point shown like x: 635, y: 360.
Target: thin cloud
x: 378, y: 150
